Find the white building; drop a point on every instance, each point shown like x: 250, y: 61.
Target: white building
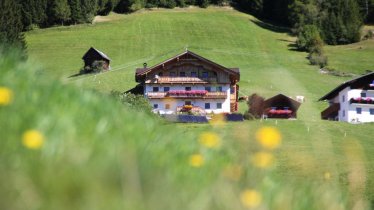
x: 352, y: 101
x: 190, y: 83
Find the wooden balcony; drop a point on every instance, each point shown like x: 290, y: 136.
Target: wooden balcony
x: 182, y: 80
x: 187, y: 95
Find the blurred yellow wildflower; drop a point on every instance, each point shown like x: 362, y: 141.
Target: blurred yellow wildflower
x: 210, y: 140
x: 262, y: 159
x: 233, y: 172
x: 196, y: 160
x: 327, y: 175
x: 251, y: 198
x: 33, y: 139
x: 218, y: 120
x: 6, y: 96
x: 269, y: 137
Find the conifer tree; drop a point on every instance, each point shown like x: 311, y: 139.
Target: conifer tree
x: 76, y: 12
x: 11, y: 26
x: 61, y: 11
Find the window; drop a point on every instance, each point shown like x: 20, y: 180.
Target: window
x: 166, y: 89
x: 187, y: 103
x: 363, y: 95
x: 155, y: 89
x: 343, y: 98
x: 172, y: 74
x: 160, y: 74
x: 205, y: 74
x: 219, y: 105
x: 358, y: 110
x: 219, y: 89
x: 343, y: 113
x: 155, y: 106
x: 371, y: 111
x: 193, y: 74
x: 167, y: 106
x: 188, y: 88
x: 208, y: 89
x: 182, y: 74
x: 207, y: 105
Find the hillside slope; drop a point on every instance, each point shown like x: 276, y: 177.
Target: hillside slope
x: 268, y: 64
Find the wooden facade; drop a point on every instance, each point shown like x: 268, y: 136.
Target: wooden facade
x: 281, y: 106
x: 93, y: 55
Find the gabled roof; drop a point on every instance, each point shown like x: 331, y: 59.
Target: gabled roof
x: 145, y: 70
x: 282, y: 98
x: 357, y: 82
x: 103, y: 55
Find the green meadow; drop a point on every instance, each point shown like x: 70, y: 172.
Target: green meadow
x: 99, y: 154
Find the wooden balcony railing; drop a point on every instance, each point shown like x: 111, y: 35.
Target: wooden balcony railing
x: 165, y: 79
x: 187, y: 94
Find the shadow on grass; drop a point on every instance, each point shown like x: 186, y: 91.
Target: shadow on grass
x: 271, y: 27
x: 137, y: 90
x: 75, y: 75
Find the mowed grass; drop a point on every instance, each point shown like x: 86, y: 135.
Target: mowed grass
x: 311, y: 148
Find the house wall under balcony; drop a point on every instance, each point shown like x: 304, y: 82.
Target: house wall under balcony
x: 173, y: 104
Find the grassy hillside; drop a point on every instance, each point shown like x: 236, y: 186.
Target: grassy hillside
x: 63, y: 148
x: 338, y: 156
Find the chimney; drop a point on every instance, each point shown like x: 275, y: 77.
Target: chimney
x: 145, y: 65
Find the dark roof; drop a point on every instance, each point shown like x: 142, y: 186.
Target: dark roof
x: 357, y: 82
x: 101, y: 54
x: 280, y: 98
x: 233, y: 71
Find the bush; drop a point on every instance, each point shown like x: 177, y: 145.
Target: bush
x: 317, y: 59
x: 309, y: 38
x: 135, y: 102
x: 248, y: 116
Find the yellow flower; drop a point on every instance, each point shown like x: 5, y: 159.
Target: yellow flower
x: 262, y: 159
x: 33, y: 139
x: 6, y: 96
x: 196, y: 160
x: 218, y: 120
x: 233, y: 172
x: 269, y: 137
x: 251, y: 198
x: 210, y: 140
x: 327, y: 175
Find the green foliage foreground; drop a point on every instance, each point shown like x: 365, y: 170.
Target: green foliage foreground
x: 92, y: 152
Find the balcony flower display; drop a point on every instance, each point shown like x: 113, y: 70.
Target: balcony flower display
x: 187, y: 92
x: 362, y: 100
x: 280, y: 113
x: 187, y: 107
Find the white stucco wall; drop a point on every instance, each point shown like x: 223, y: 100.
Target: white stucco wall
x: 348, y: 111
x: 174, y: 103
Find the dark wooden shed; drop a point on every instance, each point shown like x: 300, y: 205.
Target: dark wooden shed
x: 93, y: 55
x: 281, y: 106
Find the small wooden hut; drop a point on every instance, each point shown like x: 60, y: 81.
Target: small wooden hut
x: 281, y: 106
x: 93, y: 55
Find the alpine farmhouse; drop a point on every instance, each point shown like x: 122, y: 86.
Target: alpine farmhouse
x: 190, y: 83
x: 352, y: 101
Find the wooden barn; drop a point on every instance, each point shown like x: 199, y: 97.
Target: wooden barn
x: 281, y: 106
x: 93, y: 55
